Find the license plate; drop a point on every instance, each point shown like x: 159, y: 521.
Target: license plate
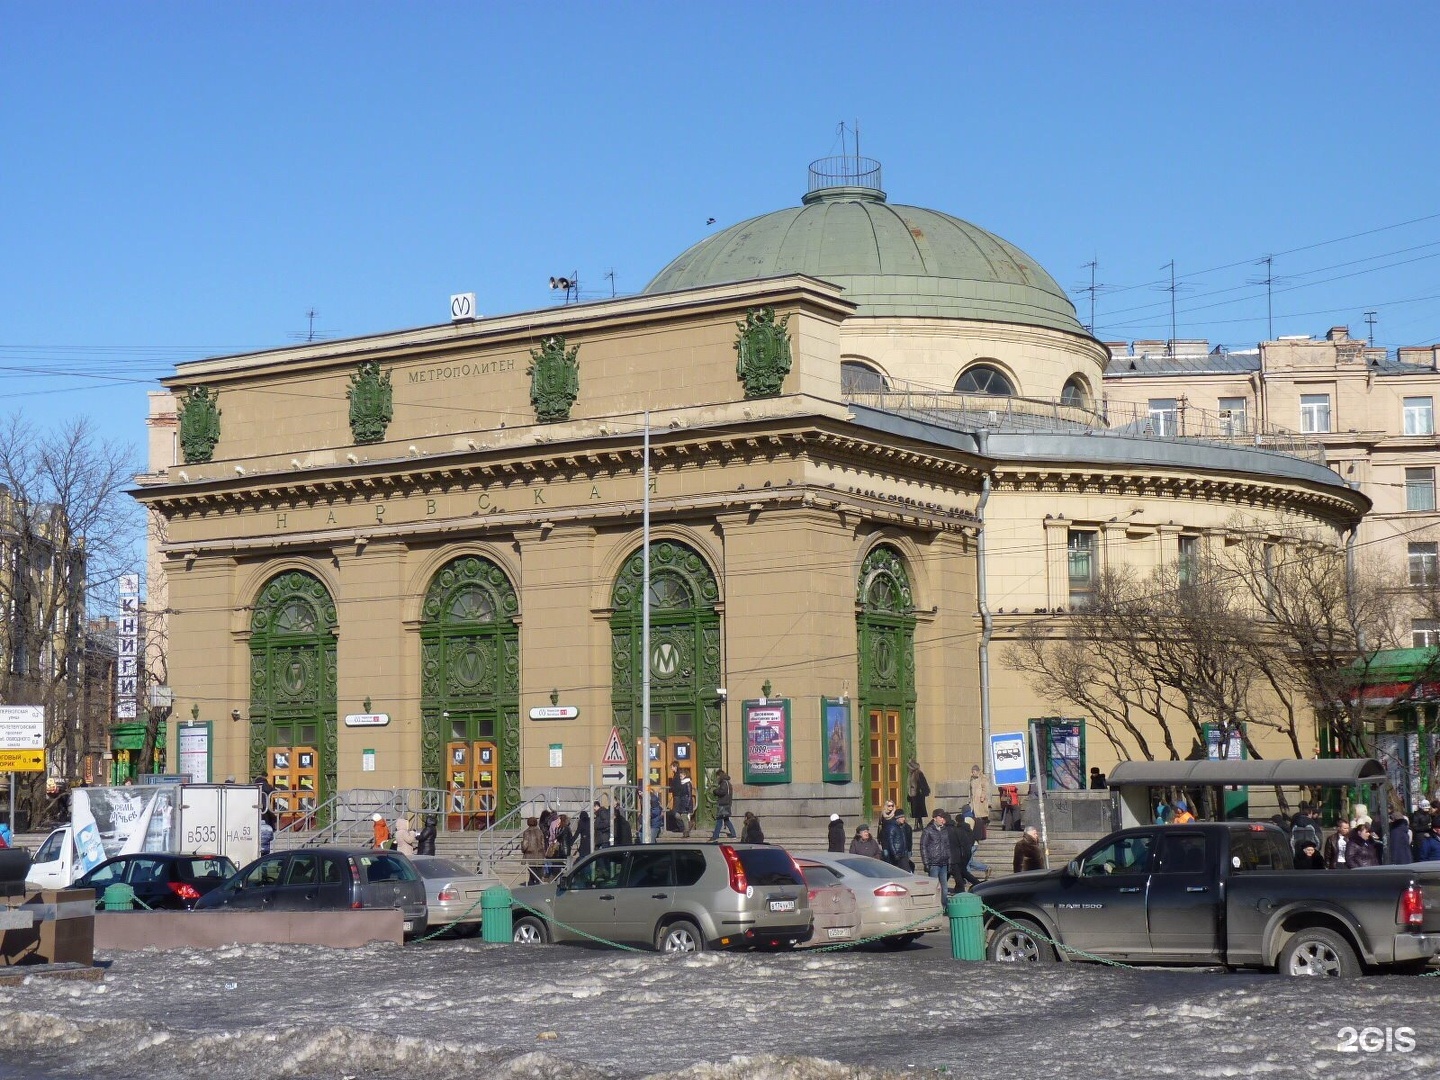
x: 409, y: 926
x: 838, y: 931
x: 782, y: 905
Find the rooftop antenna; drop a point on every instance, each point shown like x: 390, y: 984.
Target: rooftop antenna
x: 308, y: 334
x: 1170, y: 347
x: 610, y: 275
x: 1370, y: 318
x: 1268, y: 281
x: 570, y: 284
x: 1094, y: 289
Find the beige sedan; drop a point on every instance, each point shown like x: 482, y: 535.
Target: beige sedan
x: 836, y: 911
x: 895, y: 905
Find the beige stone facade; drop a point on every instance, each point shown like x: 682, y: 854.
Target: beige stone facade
x: 818, y: 545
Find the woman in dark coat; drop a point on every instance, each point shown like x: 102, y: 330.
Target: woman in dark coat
x: 837, y: 833
x: 1309, y: 857
x: 751, y: 833
x: 425, y: 838
x: 917, y: 789
x: 582, y: 835
x: 1364, y: 849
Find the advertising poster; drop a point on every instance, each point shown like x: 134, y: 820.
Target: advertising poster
x: 127, y: 819
x: 767, y: 741
x: 1066, y: 756
x: 837, y: 739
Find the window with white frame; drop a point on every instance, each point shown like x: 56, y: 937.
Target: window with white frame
x: 1424, y: 561
x: 1080, y: 560
x: 1232, y: 416
x: 1420, y: 489
x: 1424, y: 633
x: 1315, y: 413
x: 1164, y: 415
x: 1419, y: 416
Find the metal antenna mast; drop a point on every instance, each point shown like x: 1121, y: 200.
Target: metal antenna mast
x: 1370, y: 318
x: 1170, y: 349
x: 1269, y: 260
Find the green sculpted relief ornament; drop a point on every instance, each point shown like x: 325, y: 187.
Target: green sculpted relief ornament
x: 763, y: 345
x: 371, y: 402
x: 554, y: 380
x: 199, y: 425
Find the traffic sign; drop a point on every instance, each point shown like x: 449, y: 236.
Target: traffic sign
x: 1008, y: 761
x: 614, y: 750
x: 22, y: 760
x: 613, y: 775
x: 22, y: 727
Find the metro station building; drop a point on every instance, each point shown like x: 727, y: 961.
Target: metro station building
x: 876, y: 453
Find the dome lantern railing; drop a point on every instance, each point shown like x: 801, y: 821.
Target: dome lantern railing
x: 848, y: 174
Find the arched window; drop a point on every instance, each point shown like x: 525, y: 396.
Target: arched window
x: 1075, y: 393
x: 858, y: 378
x: 984, y: 379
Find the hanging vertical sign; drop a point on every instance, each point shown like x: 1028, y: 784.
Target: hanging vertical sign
x: 194, y: 743
x: 127, y: 667
x: 836, y: 740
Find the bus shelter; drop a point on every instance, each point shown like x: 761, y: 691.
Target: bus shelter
x: 1138, y: 784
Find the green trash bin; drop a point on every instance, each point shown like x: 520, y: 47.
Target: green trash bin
x: 118, y: 897
x: 495, y: 915
x: 967, y: 926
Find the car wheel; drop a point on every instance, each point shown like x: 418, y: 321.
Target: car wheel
x: 1019, y: 943
x: 530, y: 930
x: 898, y: 941
x: 1318, y: 951
x: 680, y: 936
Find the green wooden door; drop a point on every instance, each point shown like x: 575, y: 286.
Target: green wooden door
x: 470, y: 671
x: 292, y: 673
x: 886, y: 651
x: 684, y: 654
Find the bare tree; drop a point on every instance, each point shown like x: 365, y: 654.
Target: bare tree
x: 67, y: 530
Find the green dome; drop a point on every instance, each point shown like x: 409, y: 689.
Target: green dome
x: 891, y: 260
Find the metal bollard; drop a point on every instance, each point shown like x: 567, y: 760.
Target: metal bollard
x: 967, y: 926
x: 118, y: 897
x: 496, y: 921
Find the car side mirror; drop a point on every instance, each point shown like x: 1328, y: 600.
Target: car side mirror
x: 1072, y: 868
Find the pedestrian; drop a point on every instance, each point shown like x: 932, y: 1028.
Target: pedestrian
x: 751, y: 833
x: 601, y: 816
x: 380, y: 831
x: 532, y: 849
x: 887, y: 815
x: 1337, y: 848
x: 425, y: 839
x: 1399, y: 850
x: 1162, y: 813
x: 1430, y: 845
x: 980, y: 801
x: 1009, y: 807
x: 1363, y: 849
x: 935, y: 851
x: 724, y: 793
x: 1183, y: 816
x: 896, y: 841
x: 1304, y: 827
x: 1097, y: 779
x: 656, y: 815
x: 267, y: 832
x: 1420, y: 822
x: 917, y: 790
x: 836, y: 840
x: 1309, y: 857
x: 682, y: 797
x: 962, y: 850
x: 406, y: 840
x: 1028, y: 853
x: 865, y: 844
x: 557, y: 851
x: 582, y: 834
x: 623, y: 833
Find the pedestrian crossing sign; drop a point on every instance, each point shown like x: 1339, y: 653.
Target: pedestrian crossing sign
x: 614, y: 750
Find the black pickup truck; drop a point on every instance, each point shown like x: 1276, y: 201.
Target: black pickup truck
x: 1216, y: 894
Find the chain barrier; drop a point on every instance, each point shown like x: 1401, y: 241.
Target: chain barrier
x: 1035, y: 932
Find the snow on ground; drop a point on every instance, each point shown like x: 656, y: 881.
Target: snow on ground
x: 455, y: 1010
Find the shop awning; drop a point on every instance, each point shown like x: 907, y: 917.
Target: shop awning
x: 1288, y: 772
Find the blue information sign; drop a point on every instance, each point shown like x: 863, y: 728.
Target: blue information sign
x: 1008, y: 759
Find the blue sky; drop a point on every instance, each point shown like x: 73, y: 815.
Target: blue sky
x: 186, y: 180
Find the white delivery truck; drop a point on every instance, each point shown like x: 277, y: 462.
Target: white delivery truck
x: 196, y: 819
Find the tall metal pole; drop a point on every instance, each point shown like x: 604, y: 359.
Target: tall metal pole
x: 644, y: 763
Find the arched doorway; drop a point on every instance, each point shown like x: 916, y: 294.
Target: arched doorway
x: 470, y: 690
x: 886, y: 647
x: 292, y: 691
x: 684, y: 662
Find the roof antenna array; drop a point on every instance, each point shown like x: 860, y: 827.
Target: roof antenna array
x: 310, y: 334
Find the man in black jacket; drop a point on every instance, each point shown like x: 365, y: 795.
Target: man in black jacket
x: 935, y: 851
x: 962, y: 846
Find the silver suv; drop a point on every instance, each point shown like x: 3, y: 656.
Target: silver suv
x: 672, y: 897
